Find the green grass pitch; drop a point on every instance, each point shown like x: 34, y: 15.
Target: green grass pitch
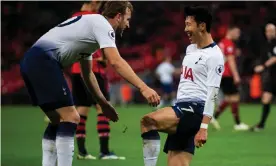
x: 22, y: 129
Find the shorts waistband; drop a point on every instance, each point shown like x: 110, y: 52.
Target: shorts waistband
x: 194, y: 107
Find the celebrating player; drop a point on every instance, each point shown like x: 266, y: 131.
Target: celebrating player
x: 230, y: 80
x: 186, y: 123
x: 71, y: 41
x: 268, y: 67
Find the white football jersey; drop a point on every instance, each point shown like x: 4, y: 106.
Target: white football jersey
x: 165, y: 72
x: 78, y: 37
x: 201, y: 68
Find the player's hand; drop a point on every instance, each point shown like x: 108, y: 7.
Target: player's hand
x: 259, y: 69
x: 151, y: 96
x: 109, y: 111
x: 201, y: 138
x: 237, y: 80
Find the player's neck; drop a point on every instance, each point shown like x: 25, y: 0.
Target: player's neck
x: 113, y: 23
x: 205, y: 40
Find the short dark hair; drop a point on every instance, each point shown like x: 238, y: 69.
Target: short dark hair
x: 201, y: 15
x: 112, y: 8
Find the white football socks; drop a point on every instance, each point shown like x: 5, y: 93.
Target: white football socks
x: 49, y: 152
x: 151, y: 149
x: 65, y: 150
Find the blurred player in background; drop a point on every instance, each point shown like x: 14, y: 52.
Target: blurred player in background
x: 71, y: 41
x: 83, y: 99
x: 165, y: 72
x: 230, y: 80
x: 186, y: 123
x: 268, y: 70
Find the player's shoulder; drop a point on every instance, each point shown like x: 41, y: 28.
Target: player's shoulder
x: 96, y: 19
x: 215, y: 53
x: 191, y: 48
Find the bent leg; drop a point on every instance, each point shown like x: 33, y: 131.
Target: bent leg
x: 65, y: 135
x: 164, y: 120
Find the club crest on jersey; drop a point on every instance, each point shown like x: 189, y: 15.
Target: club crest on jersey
x: 188, y: 73
x: 111, y: 34
x: 220, y: 69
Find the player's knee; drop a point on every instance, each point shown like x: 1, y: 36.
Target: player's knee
x: 71, y: 116
x: 83, y: 110
x: 148, y: 123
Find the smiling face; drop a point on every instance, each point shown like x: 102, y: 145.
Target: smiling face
x: 192, y: 29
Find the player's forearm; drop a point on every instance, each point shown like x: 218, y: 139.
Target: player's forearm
x: 271, y: 61
x: 93, y: 86
x: 123, y: 68
x: 209, y: 106
x: 233, y: 67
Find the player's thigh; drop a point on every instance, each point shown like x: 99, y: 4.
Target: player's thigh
x: 179, y: 158
x: 48, y: 83
x: 83, y: 110
x: 69, y: 114
x: 235, y: 97
x: 267, y: 97
x: 164, y: 120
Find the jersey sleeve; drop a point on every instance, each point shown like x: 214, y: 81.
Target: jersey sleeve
x: 229, y: 49
x: 104, y: 34
x: 215, y: 68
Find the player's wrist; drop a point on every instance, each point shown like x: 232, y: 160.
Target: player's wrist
x: 143, y: 87
x: 204, y: 126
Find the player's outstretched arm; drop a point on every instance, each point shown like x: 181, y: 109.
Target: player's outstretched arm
x: 201, y: 136
x: 123, y: 68
x: 215, y: 69
x: 93, y: 86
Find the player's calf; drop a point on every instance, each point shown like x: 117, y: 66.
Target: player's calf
x: 161, y: 120
x: 65, y: 135
x: 49, y: 151
x: 81, y: 132
x: 151, y: 141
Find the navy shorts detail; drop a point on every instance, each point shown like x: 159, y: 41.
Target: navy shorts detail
x: 167, y: 88
x: 44, y: 79
x: 188, y: 126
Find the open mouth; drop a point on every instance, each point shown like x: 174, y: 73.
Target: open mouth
x: 189, y: 35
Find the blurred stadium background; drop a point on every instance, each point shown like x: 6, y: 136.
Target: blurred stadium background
x: 157, y: 31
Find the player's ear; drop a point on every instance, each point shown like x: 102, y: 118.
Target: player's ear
x: 202, y: 26
x: 118, y: 17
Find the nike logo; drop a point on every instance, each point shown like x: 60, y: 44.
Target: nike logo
x: 188, y: 109
x: 198, y: 60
